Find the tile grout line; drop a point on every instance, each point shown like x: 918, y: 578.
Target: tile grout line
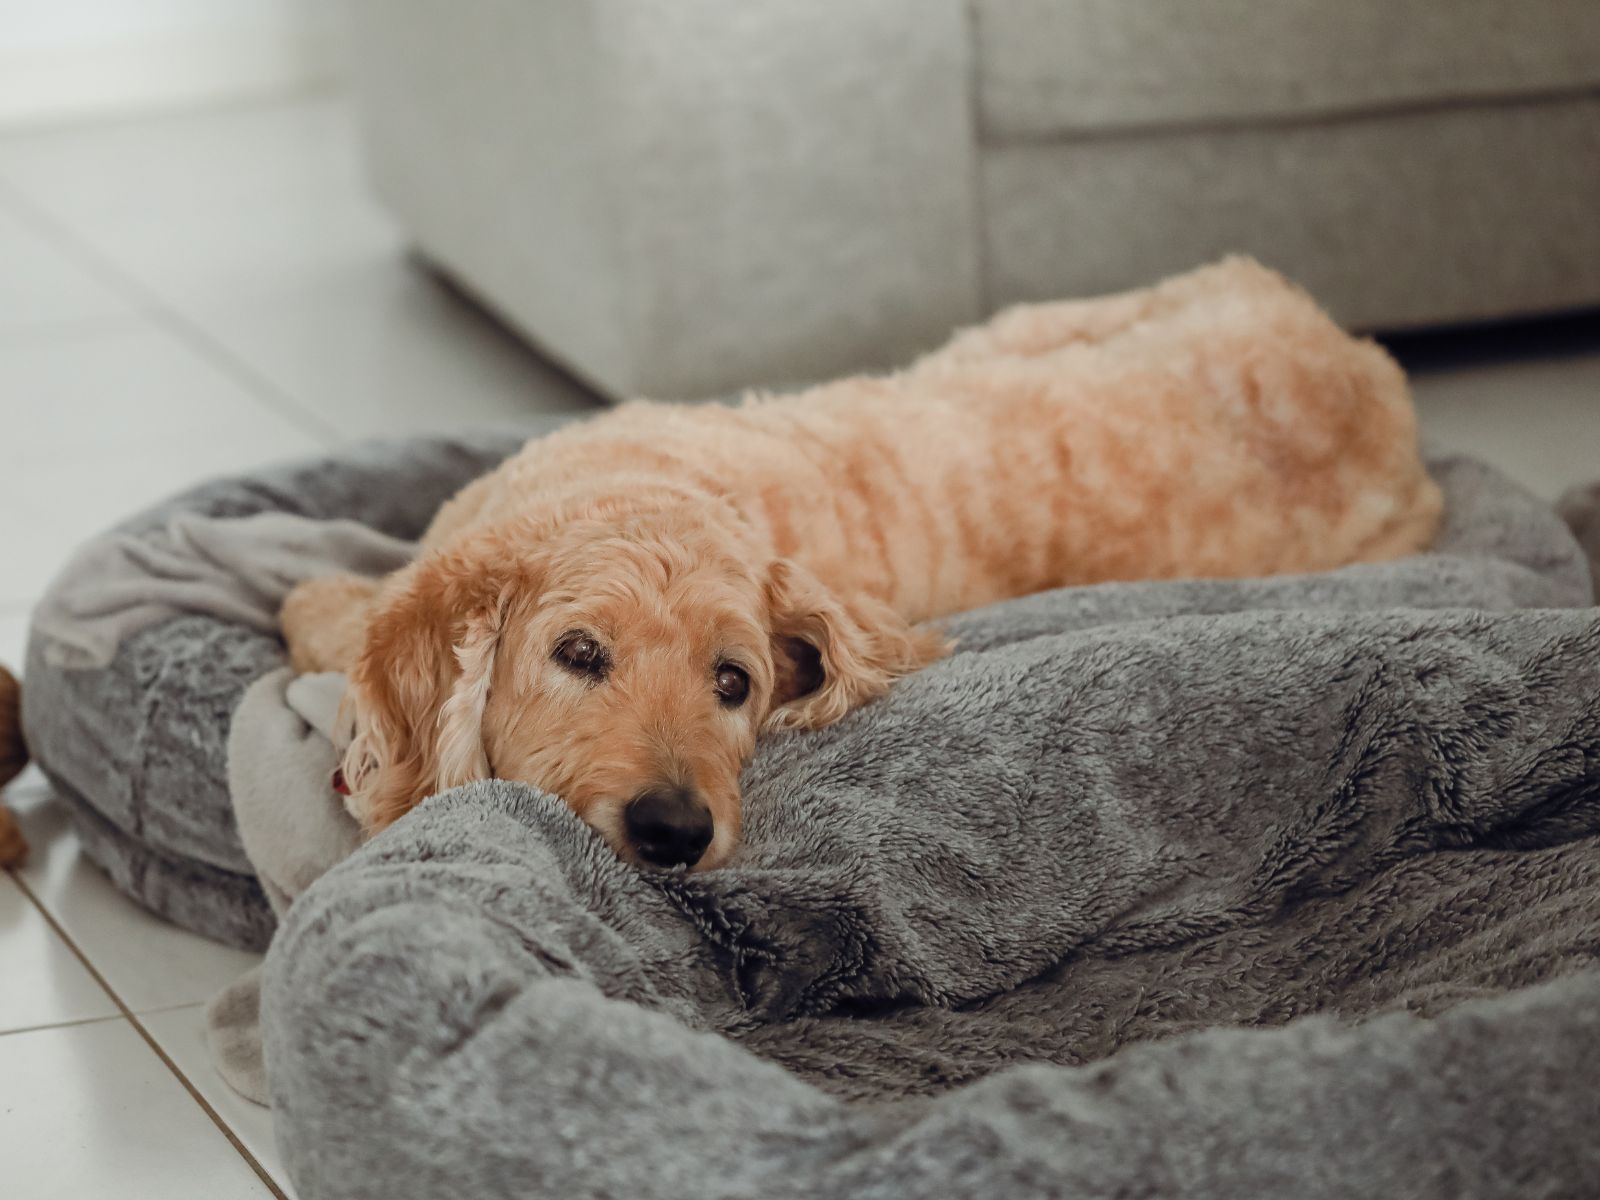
x: 72, y: 1024
x: 138, y: 1025
x: 168, y: 317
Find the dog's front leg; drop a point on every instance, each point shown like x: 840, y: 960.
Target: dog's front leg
x: 324, y: 621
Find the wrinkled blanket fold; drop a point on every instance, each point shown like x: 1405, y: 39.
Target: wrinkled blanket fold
x: 1217, y: 889
x: 236, y: 569
x: 281, y: 758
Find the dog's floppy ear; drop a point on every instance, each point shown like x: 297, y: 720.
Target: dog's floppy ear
x: 833, y: 655
x: 419, y: 687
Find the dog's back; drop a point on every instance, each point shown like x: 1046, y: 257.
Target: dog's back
x: 1217, y: 425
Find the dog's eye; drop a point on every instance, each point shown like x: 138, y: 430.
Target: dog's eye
x: 582, y: 655
x: 733, y: 685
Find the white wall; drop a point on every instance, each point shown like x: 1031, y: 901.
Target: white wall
x: 65, y: 59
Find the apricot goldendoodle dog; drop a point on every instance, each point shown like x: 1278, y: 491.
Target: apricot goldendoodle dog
x: 619, y: 610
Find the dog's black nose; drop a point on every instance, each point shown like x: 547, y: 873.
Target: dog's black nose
x: 669, y: 827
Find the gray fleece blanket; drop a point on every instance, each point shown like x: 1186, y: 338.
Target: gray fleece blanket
x: 1223, y: 890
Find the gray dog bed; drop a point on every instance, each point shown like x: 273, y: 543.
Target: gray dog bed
x: 1217, y: 889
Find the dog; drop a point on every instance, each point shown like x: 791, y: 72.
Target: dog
x: 13, y: 757
x: 617, y: 612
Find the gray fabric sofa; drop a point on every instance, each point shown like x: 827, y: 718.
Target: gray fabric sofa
x: 681, y: 198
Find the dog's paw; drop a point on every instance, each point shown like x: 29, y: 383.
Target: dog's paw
x: 324, y: 622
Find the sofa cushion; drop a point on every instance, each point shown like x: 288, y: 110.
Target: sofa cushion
x: 1058, y: 67
x: 1453, y: 213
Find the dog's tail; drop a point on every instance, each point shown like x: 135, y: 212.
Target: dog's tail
x: 13, y: 757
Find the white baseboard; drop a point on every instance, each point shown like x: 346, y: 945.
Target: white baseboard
x: 132, y: 74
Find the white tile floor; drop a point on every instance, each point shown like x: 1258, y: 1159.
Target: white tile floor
x: 196, y: 294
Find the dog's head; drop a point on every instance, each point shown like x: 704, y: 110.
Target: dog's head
x: 624, y: 665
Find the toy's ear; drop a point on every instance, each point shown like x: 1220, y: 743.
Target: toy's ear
x: 420, y: 685
x: 832, y: 655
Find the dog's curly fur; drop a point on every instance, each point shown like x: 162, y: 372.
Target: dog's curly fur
x: 1217, y: 424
